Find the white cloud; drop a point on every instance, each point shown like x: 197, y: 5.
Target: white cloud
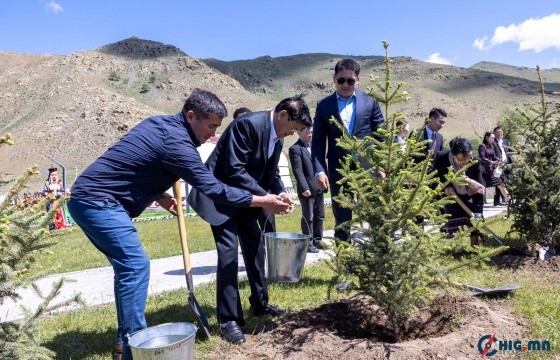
x: 54, y: 7
x: 436, y: 58
x: 532, y: 34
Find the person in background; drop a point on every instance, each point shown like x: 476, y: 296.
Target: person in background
x: 492, y: 170
x: 360, y: 115
x: 436, y: 119
x: 240, y: 111
x: 310, y: 196
x: 247, y: 155
x: 135, y: 172
x: 471, y: 194
x: 502, y: 148
x: 403, y: 131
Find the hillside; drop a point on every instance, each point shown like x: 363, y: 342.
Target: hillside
x: 72, y: 108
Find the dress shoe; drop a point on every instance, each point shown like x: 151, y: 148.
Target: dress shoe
x: 232, y: 332
x: 501, y: 203
x: 318, y: 244
x: 267, y: 310
x: 312, y: 249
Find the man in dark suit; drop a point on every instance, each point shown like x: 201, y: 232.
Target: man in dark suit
x: 310, y: 196
x: 133, y: 173
x: 360, y: 115
x: 502, y: 149
x: 437, y: 118
x: 247, y: 155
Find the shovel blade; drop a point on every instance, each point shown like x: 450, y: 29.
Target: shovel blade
x: 200, y: 316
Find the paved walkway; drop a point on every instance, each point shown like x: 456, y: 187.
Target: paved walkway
x: 96, y: 285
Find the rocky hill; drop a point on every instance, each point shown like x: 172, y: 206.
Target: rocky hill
x: 72, y: 108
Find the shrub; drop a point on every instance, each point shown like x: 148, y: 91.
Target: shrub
x: 24, y: 232
x: 534, y: 183
x: 144, y: 88
x: 114, y: 76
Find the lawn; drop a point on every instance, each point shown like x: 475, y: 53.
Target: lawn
x: 88, y: 333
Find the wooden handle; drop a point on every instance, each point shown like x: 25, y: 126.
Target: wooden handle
x: 460, y: 202
x: 182, y: 228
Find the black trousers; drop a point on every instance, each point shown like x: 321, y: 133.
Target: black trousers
x: 242, y: 228
x: 313, y: 215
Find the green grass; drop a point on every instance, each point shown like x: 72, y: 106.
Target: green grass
x: 88, y: 334
x: 160, y: 238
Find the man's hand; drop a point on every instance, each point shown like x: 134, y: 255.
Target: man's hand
x: 273, y: 203
x: 288, y: 200
x: 168, y: 202
x: 323, y: 181
x: 306, y: 193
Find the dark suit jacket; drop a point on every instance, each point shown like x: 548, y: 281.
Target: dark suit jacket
x: 302, y: 167
x: 506, y: 147
x: 475, y: 202
x: 240, y: 159
x: 487, y: 155
x: 437, y: 145
x: 323, y: 143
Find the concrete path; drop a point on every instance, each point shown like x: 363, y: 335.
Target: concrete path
x: 96, y: 285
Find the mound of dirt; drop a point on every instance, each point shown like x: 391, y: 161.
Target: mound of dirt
x: 532, y: 263
x: 449, y: 328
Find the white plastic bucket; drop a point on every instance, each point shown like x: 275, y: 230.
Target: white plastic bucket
x: 171, y: 341
x: 285, y: 254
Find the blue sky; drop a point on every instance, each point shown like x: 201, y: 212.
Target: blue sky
x: 461, y: 33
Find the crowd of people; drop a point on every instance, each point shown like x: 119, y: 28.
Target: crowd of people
x: 238, y: 190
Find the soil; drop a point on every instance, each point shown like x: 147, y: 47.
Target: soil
x: 529, y: 263
x: 449, y: 328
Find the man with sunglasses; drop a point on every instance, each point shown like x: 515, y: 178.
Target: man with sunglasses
x: 360, y: 115
x: 246, y: 157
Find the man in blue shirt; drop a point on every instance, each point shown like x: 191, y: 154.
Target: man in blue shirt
x: 133, y: 173
x: 360, y: 115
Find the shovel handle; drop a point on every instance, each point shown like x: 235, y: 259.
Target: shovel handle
x: 182, y: 228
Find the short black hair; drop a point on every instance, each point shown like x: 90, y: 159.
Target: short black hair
x: 347, y: 64
x: 204, y: 103
x: 296, y: 108
x: 437, y: 112
x: 240, y: 111
x: 460, y: 145
x: 498, y: 128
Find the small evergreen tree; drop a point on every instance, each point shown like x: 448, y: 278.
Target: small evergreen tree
x: 24, y: 232
x: 398, y: 259
x: 534, y: 183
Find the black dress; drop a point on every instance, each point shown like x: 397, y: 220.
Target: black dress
x: 487, y: 156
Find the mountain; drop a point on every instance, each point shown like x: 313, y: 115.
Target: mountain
x: 72, y: 108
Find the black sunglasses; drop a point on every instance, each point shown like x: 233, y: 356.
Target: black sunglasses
x: 341, y: 80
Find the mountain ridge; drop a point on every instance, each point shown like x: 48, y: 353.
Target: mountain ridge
x: 73, y: 107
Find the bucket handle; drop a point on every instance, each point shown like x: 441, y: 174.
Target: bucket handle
x: 268, y: 217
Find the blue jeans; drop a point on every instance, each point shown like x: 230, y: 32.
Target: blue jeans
x: 110, y: 229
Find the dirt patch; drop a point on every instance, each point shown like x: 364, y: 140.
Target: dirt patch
x: 528, y: 263
x: 350, y: 329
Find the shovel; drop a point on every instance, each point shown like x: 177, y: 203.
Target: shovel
x: 200, y: 316
x: 478, y: 291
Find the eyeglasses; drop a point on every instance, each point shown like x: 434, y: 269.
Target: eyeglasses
x: 463, y: 159
x: 341, y: 80
x: 292, y: 122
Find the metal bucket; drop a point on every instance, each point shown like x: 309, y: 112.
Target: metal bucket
x: 171, y: 341
x: 285, y: 254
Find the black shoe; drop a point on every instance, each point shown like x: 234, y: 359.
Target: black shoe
x: 501, y: 203
x: 318, y: 244
x: 267, y: 310
x: 232, y: 332
x: 312, y: 249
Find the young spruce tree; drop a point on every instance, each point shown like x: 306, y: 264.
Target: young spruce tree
x: 398, y: 258
x: 23, y: 232
x: 534, y: 182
